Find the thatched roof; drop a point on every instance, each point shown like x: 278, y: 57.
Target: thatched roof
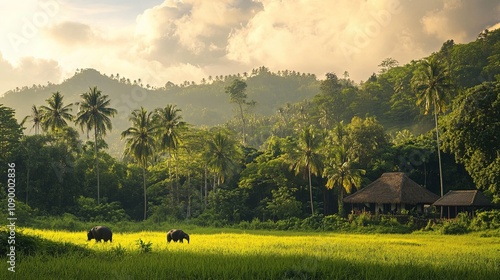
x: 463, y: 198
x: 393, y: 187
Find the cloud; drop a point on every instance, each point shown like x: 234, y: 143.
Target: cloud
x: 317, y: 36
x: 27, y: 72
x: 191, y: 31
x: 460, y: 20
x: 71, y: 33
x: 187, y: 40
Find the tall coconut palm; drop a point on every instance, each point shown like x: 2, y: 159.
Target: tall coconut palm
x: 169, y: 121
x: 35, y: 117
x: 341, y: 174
x: 140, y: 142
x: 94, y: 115
x: 56, y: 115
x: 307, y: 158
x: 431, y: 84
x: 222, y: 154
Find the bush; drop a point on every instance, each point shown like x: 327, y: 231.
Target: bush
x: 459, y: 225
x: 361, y: 220
x: 334, y: 222
x: 33, y: 245
x: 90, y: 211
x: 66, y: 221
x: 24, y: 213
x: 486, y: 220
x: 289, y: 224
x: 144, y: 247
x: 313, y: 222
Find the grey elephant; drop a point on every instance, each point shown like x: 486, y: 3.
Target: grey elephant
x: 100, y: 233
x: 177, y: 235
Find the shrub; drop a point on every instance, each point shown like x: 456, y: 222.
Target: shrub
x: 144, y: 247
x: 459, y: 225
x: 363, y: 219
x: 313, y: 222
x: 33, y: 245
x: 66, y: 221
x: 486, y: 220
x: 334, y: 222
x: 118, y: 251
x: 289, y: 224
x: 89, y: 210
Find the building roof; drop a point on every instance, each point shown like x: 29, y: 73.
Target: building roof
x: 393, y: 187
x: 463, y: 198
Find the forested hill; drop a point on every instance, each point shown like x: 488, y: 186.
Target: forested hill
x: 331, y: 122
x: 203, y: 103
x: 285, y: 98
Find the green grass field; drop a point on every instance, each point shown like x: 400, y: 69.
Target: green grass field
x: 266, y: 255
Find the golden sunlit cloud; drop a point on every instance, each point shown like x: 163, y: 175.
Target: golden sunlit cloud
x: 190, y: 40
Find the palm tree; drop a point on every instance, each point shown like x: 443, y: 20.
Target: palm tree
x: 431, y: 85
x: 35, y: 117
x: 169, y: 121
x: 94, y: 114
x: 307, y: 158
x: 238, y: 95
x: 221, y: 155
x: 56, y: 114
x: 341, y: 174
x: 140, y: 142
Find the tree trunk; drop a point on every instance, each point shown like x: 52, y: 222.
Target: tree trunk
x: 96, y: 165
x: 340, y: 201
x: 243, y: 123
x: 439, y: 152
x: 189, y: 195
x: 144, y: 187
x: 27, y: 181
x: 310, y: 191
x: 206, y: 186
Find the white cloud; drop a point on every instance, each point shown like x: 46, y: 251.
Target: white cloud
x: 27, y: 72
x: 192, y: 39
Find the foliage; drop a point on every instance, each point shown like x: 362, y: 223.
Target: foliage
x: 169, y: 122
x: 56, y: 114
x: 210, y: 178
x: 223, y: 155
x: 31, y: 245
x: 283, y: 204
x: 471, y: 132
x: 306, y: 159
x: 236, y: 91
x: 94, y: 114
x: 89, y: 210
x: 486, y: 220
x: 140, y: 139
x: 10, y: 135
x: 144, y: 247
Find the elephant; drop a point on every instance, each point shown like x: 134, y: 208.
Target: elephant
x: 100, y: 232
x: 177, y: 235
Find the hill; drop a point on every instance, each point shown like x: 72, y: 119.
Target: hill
x: 204, y: 104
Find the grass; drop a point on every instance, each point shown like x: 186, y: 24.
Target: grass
x: 214, y: 254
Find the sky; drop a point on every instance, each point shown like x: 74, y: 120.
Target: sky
x: 188, y: 40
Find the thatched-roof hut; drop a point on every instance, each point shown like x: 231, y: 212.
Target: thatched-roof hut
x: 458, y: 201
x: 391, y: 193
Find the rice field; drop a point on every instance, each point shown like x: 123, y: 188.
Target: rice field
x: 268, y: 255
